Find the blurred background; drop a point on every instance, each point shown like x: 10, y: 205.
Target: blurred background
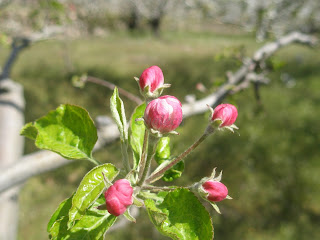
x: 272, y: 169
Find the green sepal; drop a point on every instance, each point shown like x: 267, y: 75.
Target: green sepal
x: 228, y: 197
x: 137, y: 202
x: 215, y: 207
x: 216, y: 123
x: 129, y: 216
x: 152, y: 95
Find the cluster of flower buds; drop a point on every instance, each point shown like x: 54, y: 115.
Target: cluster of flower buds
x: 163, y: 114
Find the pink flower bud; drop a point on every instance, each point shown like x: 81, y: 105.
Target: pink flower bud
x: 227, y: 113
x: 217, y: 191
x: 163, y: 114
x: 119, y: 197
x: 152, y: 77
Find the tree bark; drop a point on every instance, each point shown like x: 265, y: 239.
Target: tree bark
x: 11, y: 150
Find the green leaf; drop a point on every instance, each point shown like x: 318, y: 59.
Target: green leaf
x: 163, y: 155
x: 60, y: 212
x: 29, y: 131
x: 68, y: 131
x: 91, y: 226
x: 163, y: 150
x: 119, y: 115
x: 90, y: 188
x: 137, y: 133
x: 174, y: 172
x: 181, y: 216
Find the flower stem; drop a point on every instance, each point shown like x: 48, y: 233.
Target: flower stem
x: 158, y: 189
x: 147, y: 165
x: 156, y: 175
x: 144, y: 155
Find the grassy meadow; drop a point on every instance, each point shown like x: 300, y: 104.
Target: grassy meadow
x: 271, y: 168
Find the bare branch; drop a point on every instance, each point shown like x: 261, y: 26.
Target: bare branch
x: 46, y: 33
x: 20, y: 43
x: 251, y: 78
x: 112, y: 86
x: 43, y: 161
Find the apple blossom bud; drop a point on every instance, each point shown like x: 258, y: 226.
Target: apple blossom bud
x: 216, y: 191
x: 151, y: 82
x: 163, y: 114
x: 119, y: 197
x: 152, y: 77
x: 227, y: 113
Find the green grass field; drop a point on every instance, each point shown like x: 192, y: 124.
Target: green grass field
x: 271, y: 169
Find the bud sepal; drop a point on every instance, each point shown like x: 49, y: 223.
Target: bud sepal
x: 128, y: 216
x: 137, y: 202
x: 158, y: 134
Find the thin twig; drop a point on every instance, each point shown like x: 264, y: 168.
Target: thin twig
x: 156, y: 175
x: 111, y: 86
x: 158, y: 189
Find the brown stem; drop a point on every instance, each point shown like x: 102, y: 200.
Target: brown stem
x: 158, y: 189
x: 156, y: 175
x: 112, y: 86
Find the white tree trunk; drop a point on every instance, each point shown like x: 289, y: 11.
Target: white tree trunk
x: 11, y: 150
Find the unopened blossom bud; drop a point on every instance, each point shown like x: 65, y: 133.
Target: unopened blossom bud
x: 163, y: 114
x: 119, y: 197
x: 151, y: 82
x: 216, y: 191
x: 226, y: 113
x: 152, y: 77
